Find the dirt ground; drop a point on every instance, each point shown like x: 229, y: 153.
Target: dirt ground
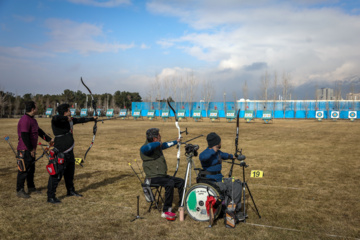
x: 310, y: 188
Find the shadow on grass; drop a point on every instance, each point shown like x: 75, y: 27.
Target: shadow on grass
x: 105, y: 182
x: 6, y: 171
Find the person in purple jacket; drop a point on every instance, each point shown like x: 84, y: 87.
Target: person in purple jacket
x: 28, y: 132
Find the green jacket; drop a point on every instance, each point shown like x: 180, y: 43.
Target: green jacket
x: 155, y: 164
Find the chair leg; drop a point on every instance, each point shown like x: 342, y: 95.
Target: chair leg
x: 157, y: 197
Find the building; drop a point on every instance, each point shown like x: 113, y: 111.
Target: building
x: 353, y: 96
x: 325, y: 94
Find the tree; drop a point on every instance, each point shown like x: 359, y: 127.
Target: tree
x: 3, y: 102
x: 191, y: 84
x: 245, y: 93
x: 275, y: 92
x: 286, y: 90
x: 208, y: 92
x: 264, y: 88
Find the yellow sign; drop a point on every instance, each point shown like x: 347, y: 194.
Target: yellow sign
x: 257, y: 174
x: 78, y: 161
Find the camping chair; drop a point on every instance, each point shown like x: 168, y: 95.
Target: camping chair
x: 149, y: 190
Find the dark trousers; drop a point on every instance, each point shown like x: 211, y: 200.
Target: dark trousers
x: 67, y: 170
x: 169, y: 183
x: 27, y: 175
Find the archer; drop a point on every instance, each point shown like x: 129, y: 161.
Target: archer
x: 155, y: 167
x: 62, y: 126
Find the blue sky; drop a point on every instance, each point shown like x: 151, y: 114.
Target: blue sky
x: 148, y: 46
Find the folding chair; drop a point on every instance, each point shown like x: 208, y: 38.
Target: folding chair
x: 149, y: 190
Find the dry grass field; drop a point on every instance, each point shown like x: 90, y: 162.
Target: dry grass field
x: 310, y: 188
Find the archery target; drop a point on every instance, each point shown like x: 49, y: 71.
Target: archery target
x: 319, y: 114
x: 335, y: 114
x: 352, y: 114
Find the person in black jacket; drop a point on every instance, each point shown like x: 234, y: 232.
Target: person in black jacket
x: 28, y: 132
x: 62, y: 126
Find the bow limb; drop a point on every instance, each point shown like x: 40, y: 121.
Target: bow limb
x: 93, y: 103
x: 236, y: 144
x: 179, y: 142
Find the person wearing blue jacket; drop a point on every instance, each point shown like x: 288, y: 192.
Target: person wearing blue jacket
x: 211, y: 158
x: 155, y: 167
x: 211, y: 162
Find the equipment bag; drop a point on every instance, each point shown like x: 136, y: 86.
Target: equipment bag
x: 52, y: 167
x: 149, y: 196
x: 230, y: 219
x: 21, y: 164
x: 20, y: 161
x: 60, y: 158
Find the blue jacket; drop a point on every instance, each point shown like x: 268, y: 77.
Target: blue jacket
x: 211, y: 162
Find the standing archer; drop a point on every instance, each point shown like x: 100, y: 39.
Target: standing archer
x: 28, y: 133
x: 62, y: 126
x: 155, y: 167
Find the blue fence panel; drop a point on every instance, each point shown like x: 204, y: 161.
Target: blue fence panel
x: 300, y: 114
x: 344, y: 114
x: 279, y: 114
x: 293, y: 109
x: 290, y: 114
x: 311, y: 114
x: 259, y: 114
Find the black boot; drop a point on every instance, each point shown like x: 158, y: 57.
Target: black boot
x: 34, y: 190
x: 53, y: 200
x: 74, y: 193
x: 22, y: 194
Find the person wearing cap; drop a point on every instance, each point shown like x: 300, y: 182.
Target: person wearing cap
x: 155, y: 167
x: 211, y: 162
x: 211, y: 158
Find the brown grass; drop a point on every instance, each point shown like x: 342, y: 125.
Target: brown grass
x: 310, y: 189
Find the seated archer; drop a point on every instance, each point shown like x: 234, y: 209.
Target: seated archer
x: 155, y: 167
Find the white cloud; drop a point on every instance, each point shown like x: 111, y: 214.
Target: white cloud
x: 67, y: 36
x: 21, y: 52
x: 305, y: 42
x: 168, y: 73
x: 102, y: 3
x: 144, y: 46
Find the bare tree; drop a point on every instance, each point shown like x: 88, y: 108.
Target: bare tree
x: 338, y: 86
x: 245, y: 93
x: 317, y: 97
x: 99, y: 102
x: 3, y: 102
x: 174, y: 86
x: 158, y: 91
x: 191, y: 84
x: 208, y: 92
x: 235, y: 100
x: 182, y: 87
x: 352, y: 92
x: 275, y: 92
x: 265, y: 80
x: 286, y: 90
x: 17, y: 105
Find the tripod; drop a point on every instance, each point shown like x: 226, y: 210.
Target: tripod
x: 138, y: 215
x: 244, y: 185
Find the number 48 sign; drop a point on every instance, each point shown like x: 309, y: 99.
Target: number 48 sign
x: 257, y: 174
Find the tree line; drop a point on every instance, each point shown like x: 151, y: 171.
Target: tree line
x: 11, y: 104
